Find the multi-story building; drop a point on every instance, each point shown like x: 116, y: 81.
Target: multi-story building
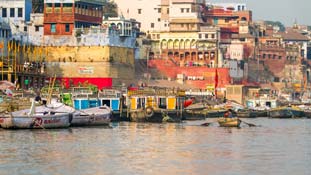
x: 152, y: 14
x: 5, y: 34
x: 83, y: 47
x: 293, y: 36
x: 62, y: 16
x: 16, y: 13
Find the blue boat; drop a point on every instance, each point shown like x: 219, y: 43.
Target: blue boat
x: 112, y: 99
x: 84, y: 98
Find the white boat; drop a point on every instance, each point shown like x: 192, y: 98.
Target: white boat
x: 41, y: 117
x: 92, y: 116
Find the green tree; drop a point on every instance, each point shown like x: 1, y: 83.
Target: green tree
x: 110, y: 9
x: 276, y: 23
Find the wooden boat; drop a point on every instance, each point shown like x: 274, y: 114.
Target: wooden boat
x: 246, y: 113
x: 45, y: 118
x: 261, y: 113
x: 155, y: 105
x: 155, y: 115
x: 286, y: 112
x: 215, y: 113
x: 195, y: 114
x: 229, y: 122
x: 196, y: 111
x: 92, y: 116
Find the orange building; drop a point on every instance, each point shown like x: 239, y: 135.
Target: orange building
x: 62, y: 16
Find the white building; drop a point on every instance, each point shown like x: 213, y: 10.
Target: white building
x: 16, y: 13
x: 147, y: 12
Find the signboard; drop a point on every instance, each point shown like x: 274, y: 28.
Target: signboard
x: 86, y: 70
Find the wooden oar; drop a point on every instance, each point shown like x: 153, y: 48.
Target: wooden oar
x: 249, y: 124
x: 207, y: 123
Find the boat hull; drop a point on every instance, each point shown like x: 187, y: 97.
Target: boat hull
x: 229, y: 122
x: 35, y: 121
x: 286, y: 113
x: 216, y: 113
x: 156, y: 116
x: 194, y: 115
x: 247, y: 114
x: 92, y: 117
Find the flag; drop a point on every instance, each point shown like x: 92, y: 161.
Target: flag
x: 24, y: 48
x: 216, y: 82
x: 9, y: 46
x: 2, y: 45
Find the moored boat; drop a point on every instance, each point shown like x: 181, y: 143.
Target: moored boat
x: 286, y: 112
x: 229, y: 122
x: 246, y: 113
x: 155, y: 105
x: 32, y: 119
x: 92, y: 116
x: 215, y: 113
x: 196, y: 111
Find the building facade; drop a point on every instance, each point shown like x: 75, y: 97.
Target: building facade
x: 62, y: 16
x: 16, y: 13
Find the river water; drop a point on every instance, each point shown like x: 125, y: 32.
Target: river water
x: 279, y: 146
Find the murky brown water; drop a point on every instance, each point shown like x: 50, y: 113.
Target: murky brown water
x: 278, y: 147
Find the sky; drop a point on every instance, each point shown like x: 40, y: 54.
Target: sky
x: 285, y: 11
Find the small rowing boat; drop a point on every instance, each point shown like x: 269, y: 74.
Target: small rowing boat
x: 229, y: 122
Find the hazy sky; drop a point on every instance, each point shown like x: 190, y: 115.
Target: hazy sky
x: 285, y: 11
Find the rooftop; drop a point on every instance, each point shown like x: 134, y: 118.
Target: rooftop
x: 293, y: 35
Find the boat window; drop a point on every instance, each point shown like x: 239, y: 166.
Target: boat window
x: 162, y: 103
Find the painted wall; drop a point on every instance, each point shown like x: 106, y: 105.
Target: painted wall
x: 91, y: 62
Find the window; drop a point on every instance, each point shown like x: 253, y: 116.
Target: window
x: 67, y: 28
x: 152, y: 25
x: 200, y: 35
x: 168, y: 11
x: 67, y: 7
x: 12, y: 12
x: 53, y: 28
x: 20, y: 12
x: 188, y: 10
x: 182, y: 10
x: 280, y: 57
x: 37, y: 28
x: 4, y: 13
x: 206, y: 35
x: 57, y: 7
x: 159, y: 10
x: 182, y: 25
x: 139, y: 11
x: 25, y: 28
x: 48, y: 7
x: 213, y: 36
x: 159, y: 19
x: 226, y: 20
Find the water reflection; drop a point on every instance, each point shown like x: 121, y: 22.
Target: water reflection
x: 278, y: 147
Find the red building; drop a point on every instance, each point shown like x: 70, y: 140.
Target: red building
x: 228, y: 20
x: 62, y: 16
